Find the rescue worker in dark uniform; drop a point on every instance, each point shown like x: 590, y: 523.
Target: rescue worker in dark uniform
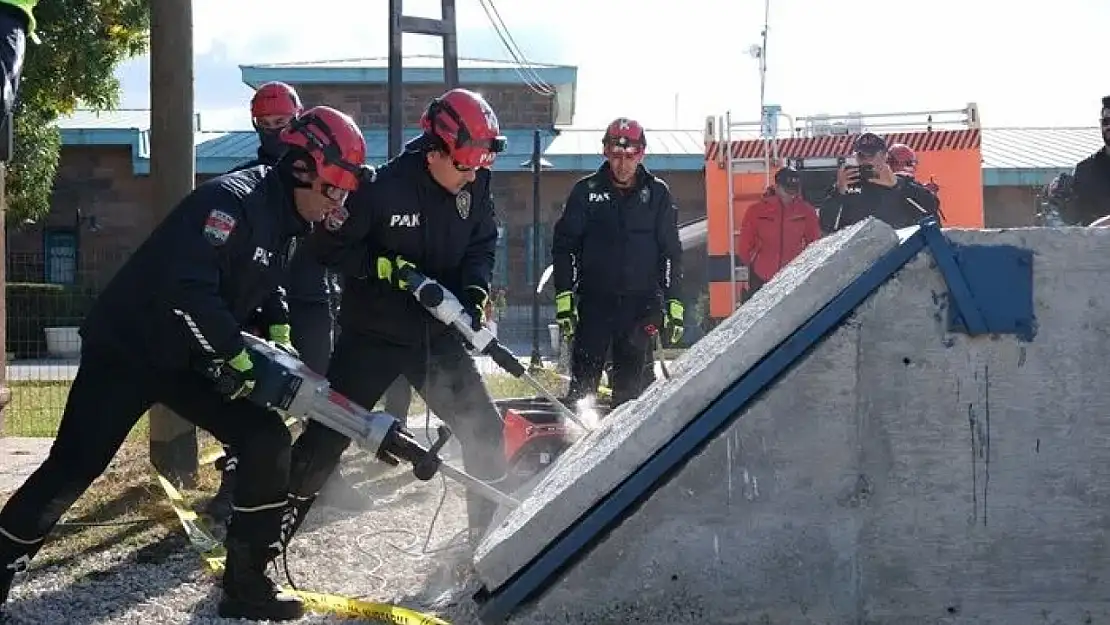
x: 167, y: 328
x: 430, y: 209
x: 617, y: 267
x: 870, y: 188
x: 17, y: 25
x: 308, y: 292
x: 1084, y: 196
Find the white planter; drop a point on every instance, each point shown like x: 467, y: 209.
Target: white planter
x: 63, y: 342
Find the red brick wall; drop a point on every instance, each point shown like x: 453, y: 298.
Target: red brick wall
x: 97, y: 181
x: 516, y: 106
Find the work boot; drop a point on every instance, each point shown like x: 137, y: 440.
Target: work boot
x: 248, y: 593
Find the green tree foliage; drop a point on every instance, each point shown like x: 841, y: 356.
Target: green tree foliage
x: 83, y: 42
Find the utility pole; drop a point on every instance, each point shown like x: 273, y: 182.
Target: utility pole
x: 173, y: 440
x: 400, y: 25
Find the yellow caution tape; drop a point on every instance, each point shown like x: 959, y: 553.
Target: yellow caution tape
x: 214, y: 555
x: 354, y: 608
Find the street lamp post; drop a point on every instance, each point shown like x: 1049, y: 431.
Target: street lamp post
x: 537, y: 164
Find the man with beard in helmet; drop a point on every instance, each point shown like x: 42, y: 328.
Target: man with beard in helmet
x: 309, y: 292
x: 1084, y: 196
x: 615, y: 250
x: 166, y: 330
x: 429, y: 209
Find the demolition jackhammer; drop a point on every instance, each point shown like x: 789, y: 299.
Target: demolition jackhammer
x: 286, y: 385
x: 443, y: 305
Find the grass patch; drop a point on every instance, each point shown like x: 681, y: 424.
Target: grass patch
x: 36, y: 410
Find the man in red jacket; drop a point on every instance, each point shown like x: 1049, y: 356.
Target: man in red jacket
x: 776, y: 229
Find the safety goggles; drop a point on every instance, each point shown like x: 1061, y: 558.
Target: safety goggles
x: 470, y: 154
x: 272, y: 122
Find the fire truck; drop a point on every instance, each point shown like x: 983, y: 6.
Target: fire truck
x: 741, y: 159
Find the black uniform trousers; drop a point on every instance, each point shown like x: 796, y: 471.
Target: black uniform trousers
x: 312, y: 326
x: 108, y: 396
x: 613, y: 324
x: 362, y: 368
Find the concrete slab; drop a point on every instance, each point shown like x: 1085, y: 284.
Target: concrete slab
x: 899, y: 474
x: 630, y: 435
x: 19, y: 457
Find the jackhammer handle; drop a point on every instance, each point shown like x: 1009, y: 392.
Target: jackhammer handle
x: 426, y: 468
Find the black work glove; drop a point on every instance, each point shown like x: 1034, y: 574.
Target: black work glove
x: 236, y: 377
x: 473, y: 300
x: 388, y: 269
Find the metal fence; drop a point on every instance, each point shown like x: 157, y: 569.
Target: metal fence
x: 47, y: 298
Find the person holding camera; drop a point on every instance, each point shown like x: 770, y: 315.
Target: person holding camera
x: 866, y: 186
x: 1082, y: 197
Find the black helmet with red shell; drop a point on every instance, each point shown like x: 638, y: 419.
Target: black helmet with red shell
x: 464, y: 125
x: 275, y: 98
x: 624, y: 136
x: 333, y: 141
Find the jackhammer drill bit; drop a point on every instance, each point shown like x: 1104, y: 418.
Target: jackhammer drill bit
x: 286, y: 385
x: 444, y: 306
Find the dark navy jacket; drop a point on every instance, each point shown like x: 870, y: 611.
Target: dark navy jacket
x: 309, y: 281
x: 404, y: 211
x: 616, y: 242
x: 183, y: 295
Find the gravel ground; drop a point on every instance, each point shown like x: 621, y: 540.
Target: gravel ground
x: 376, y: 555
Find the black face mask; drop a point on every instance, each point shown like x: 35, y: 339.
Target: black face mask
x: 270, y: 141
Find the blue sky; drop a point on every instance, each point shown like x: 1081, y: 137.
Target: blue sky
x: 639, y: 57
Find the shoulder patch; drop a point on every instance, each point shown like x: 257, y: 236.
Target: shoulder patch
x: 218, y: 227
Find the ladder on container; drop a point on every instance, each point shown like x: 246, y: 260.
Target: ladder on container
x: 722, y: 131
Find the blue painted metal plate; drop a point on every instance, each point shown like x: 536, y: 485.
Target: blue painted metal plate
x: 1001, y: 278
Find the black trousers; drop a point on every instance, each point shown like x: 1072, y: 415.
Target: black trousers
x: 613, y: 324
x: 363, y: 367
x: 398, y: 397
x: 108, y: 396
x: 312, y: 328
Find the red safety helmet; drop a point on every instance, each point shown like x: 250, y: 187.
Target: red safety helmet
x: 275, y: 98
x: 624, y: 136
x: 902, y: 159
x: 333, y: 140
x: 466, y: 126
